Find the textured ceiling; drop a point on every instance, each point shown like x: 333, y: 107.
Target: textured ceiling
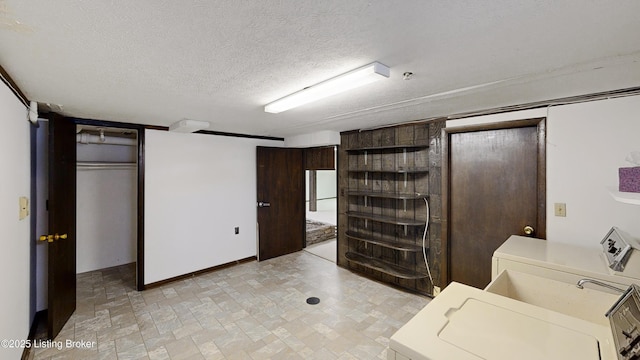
x: 157, y: 62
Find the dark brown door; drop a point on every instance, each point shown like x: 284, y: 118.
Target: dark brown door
x: 281, y: 201
x: 62, y: 222
x: 495, y: 190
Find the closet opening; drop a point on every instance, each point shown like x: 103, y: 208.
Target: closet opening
x: 107, y: 209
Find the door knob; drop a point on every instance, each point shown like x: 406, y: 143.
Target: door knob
x: 263, y: 204
x: 528, y: 230
x: 50, y: 238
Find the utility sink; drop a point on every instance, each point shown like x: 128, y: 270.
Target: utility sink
x: 568, y: 299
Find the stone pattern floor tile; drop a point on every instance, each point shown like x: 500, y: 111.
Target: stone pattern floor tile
x: 253, y: 311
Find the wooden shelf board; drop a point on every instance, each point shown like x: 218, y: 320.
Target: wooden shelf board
x: 378, y: 194
x: 389, y: 147
x: 625, y: 197
x: 385, y: 219
x: 397, y: 245
x: 383, y: 266
x: 394, y: 171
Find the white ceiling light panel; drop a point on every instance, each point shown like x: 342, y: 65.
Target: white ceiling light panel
x: 347, y: 81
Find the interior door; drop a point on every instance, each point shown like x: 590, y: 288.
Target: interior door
x: 281, y: 201
x: 496, y: 189
x: 62, y: 223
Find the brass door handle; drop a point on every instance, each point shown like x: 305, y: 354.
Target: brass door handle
x: 528, y: 230
x: 50, y: 238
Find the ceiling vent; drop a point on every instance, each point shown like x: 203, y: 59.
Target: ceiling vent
x: 188, y: 126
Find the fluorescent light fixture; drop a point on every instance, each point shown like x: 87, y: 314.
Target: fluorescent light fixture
x: 347, y: 81
x: 188, y: 126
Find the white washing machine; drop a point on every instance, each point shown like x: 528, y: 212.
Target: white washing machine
x: 468, y: 323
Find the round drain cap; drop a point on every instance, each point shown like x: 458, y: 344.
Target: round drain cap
x: 313, y: 301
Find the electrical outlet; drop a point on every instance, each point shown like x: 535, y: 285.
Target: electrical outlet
x: 560, y: 209
x: 237, y: 230
x: 436, y: 291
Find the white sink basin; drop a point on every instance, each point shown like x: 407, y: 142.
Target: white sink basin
x: 586, y: 304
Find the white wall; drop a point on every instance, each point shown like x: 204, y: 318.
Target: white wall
x: 197, y: 189
x: 326, y: 184
x: 319, y: 138
x: 327, y: 205
x: 107, y: 153
x: 106, y: 208
x: 586, y: 144
x: 14, y: 256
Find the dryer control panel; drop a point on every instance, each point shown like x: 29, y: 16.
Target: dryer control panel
x: 616, y: 249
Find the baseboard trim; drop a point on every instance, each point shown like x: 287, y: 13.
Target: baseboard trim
x: 42, y: 314
x: 199, y: 272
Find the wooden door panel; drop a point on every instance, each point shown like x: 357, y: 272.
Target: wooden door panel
x: 281, y: 224
x: 493, y: 193
x: 62, y: 220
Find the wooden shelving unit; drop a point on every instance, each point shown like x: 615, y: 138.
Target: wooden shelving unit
x: 383, y: 179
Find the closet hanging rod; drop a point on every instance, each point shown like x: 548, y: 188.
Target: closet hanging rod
x: 95, y: 165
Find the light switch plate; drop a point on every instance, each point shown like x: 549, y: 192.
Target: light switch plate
x: 24, y: 207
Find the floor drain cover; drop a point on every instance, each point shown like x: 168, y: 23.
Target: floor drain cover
x: 313, y: 301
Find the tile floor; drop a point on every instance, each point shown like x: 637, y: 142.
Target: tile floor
x: 248, y: 311
x: 326, y: 250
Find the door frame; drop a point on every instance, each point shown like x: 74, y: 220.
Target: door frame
x: 140, y: 200
x: 541, y: 224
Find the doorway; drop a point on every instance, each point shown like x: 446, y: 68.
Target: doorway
x: 494, y: 180
x: 281, y: 200
x: 321, y: 207
x: 321, y: 202
x: 106, y: 175
x: 106, y: 193
x: 64, y: 147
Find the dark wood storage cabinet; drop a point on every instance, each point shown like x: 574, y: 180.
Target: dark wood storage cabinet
x: 383, y: 180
